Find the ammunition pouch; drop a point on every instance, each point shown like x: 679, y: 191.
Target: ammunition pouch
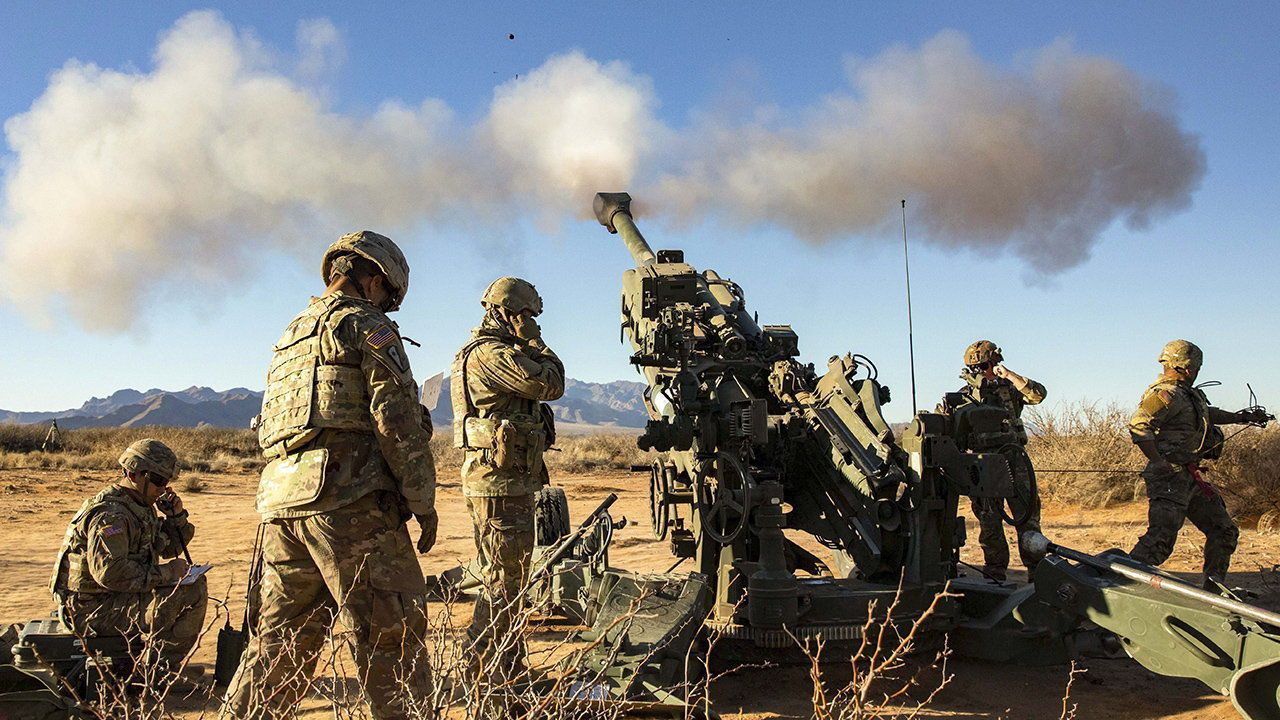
x: 513, y: 443
x: 294, y: 480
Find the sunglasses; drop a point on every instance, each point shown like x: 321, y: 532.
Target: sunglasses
x: 158, y: 480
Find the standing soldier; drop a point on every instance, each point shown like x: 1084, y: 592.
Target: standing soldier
x: 109, y: 579
x: 989, y: 382
x: 501, y: 378
x: 1175, y: 427
x: 349, y: 463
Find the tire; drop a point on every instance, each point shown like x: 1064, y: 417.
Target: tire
x: 550, y: 516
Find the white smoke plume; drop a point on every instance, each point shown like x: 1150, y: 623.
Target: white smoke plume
x: 119, y: 182
x: 1039, y: 163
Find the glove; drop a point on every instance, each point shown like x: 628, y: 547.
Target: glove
x: 526, y: 328
x: 429, y: 524
x: 1256, y: 416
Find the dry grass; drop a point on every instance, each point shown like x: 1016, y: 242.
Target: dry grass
x: 235, y: 450
x: 1089, y: 436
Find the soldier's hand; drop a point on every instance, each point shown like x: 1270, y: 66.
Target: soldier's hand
x: 525, y: 327
x: 429, y: 524
x: 1162, y: 467
x: 170, y: 503
x: 1000, y: 371
x: 175, y: 570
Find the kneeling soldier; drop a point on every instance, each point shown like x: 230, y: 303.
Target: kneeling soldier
x: 109, y: 578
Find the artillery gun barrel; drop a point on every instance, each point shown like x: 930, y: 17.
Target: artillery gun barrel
x: 1040, y: 544
x: 613, y: 210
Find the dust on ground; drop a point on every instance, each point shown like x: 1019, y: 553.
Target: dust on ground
x: 35, y: 506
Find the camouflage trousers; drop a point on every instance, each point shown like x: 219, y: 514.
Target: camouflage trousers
x: 1174, y: 499
x: 357, y: 564
x: 504, y: 547
x: 991, y: 537
x: 168, y: 619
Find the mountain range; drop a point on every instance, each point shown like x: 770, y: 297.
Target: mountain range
x: 584, y: 407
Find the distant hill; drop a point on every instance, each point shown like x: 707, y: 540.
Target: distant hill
x: 617, y: 404
x: 194, y: 407
x: 584, y: 407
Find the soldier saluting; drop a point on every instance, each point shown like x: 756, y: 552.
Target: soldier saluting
x: 350, y: 461
x: 1175, y: 427
x: 500, y: 379
x: 109, y: 578
x: 989, y: 382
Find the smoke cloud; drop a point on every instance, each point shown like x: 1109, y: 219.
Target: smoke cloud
x: 1037, y: 163
x: 122, y: 182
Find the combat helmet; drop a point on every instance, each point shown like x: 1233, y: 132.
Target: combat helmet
x: 377, y: 249
x: 151, y: 456
x: 513, y: 294
x: 982, y: 352
x: 1182, y: 355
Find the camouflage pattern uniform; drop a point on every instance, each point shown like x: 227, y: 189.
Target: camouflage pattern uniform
x: 1002, y: 393
x: 350, y: 461
x: 498, y: 385
x: 1179, y: 418
x: 108, y: 578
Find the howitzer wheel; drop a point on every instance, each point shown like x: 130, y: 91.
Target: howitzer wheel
x: 659, y: 501
x: 731, y: 504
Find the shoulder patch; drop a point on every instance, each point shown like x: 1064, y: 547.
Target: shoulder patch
x: 381, y: 337
x: 112, y: 530
x: 1155, y: 400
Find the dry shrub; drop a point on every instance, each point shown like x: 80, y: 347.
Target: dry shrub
x: 1084, y: 436
x: 592, y: 453
x: 194, y: 484
x: 1249, y: 472
x: 1092, y: 437
x: 22, y: 438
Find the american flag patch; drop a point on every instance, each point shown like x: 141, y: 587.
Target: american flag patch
x: 112, y: 531
x: 382, y: 337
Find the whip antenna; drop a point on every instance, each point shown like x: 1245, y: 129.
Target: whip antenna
x: 911, y: 342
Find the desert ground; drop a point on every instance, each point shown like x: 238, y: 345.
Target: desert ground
x: 35, y: 506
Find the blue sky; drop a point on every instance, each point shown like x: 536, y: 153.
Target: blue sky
x: 1092, y: 332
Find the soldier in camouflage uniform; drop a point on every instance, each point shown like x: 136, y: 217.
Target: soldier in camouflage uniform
x: 1175, y: 427
x: 989, y: 382
x: 349, y: 463
x: 109, y: 578
x: 500, y: 381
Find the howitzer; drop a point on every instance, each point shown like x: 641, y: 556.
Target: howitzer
x: 755, y: 442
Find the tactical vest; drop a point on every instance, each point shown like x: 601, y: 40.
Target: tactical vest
x: 71, y: 571
x: 514, y: 439
x: 304, y: 396
x: 1188, y: 436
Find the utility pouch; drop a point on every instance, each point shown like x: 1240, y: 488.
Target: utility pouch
x: 1214, y: 439
x: 292, y: 481
x: 519, y: 446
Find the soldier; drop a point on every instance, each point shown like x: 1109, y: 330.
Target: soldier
x: 501, y: 378
x: 989, y: 382
x: 1175, y: 427
x: 349, y: 463
x: 109, y: 578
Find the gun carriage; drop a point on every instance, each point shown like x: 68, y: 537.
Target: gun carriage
x: 754, y: 444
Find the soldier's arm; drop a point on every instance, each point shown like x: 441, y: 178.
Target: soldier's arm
x: 400, y: 423
x: 110, y: 532
x: 534, y: 373
x: 179, y: 526
x: 1152, y: 411
x: 1218, y: 416
x: 1033, y: 393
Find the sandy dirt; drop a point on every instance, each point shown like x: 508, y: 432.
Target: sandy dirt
x: 35, y: 507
